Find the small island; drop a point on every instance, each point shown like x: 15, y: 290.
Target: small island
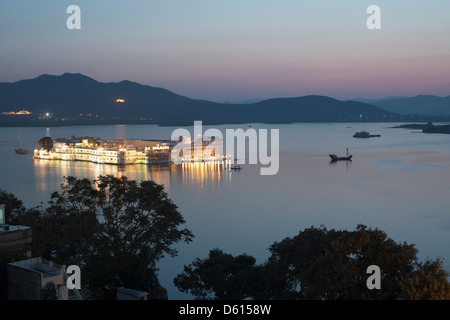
x: 365, y: 134
x: 427, y: 127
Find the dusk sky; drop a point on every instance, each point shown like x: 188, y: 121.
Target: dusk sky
x: 232, y: 50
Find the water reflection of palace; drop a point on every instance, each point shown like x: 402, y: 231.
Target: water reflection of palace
x: 205, y: 173
x: 50, y: 174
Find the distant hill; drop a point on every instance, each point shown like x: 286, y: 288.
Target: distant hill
x: 70, y: 95
x: 282, y: 110
x: 76, y: 99
x: 321, y: 108
x: 249, y: 101
x: 373, y: 101
x: 426, y: 105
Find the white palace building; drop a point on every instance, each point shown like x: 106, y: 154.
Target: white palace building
x: 118, y: 152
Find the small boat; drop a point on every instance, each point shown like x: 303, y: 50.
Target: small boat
x: 234, y: 167
x: 21, y: 151
x: 336, y: 158
x: 365, y: 134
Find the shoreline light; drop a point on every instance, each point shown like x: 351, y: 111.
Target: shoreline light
x: 16, y: 113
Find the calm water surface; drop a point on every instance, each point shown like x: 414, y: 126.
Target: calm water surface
x: 398, y: 182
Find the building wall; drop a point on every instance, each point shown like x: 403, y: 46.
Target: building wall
x: 135, y: 151
x: 23, y: 284
x: 26, y: 278
x: 16, y: 237
x: 140, y: 144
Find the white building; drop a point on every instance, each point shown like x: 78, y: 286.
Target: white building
x: 116, y: 151
x: 102, y: 154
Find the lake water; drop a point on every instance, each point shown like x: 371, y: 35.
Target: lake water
x: 398, y: 182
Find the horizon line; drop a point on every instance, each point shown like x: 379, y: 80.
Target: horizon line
x: 240, y: 101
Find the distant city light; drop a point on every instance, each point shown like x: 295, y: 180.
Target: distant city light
x: 18, y: 112
x: 120, y: 100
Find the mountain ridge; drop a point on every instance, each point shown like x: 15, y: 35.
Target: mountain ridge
x: 76, y: 97
x: 421, y: 104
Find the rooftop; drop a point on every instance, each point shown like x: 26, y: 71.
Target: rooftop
x: 7, y: 228
x: 40, y: 265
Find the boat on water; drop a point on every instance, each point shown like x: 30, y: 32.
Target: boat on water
x: 365, y: 134
x: 334, y: 157
x: 21, y: 151
x: 235, y: 167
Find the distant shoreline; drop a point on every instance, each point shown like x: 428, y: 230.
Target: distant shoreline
x: 427, y: 127
x: 411, y: 124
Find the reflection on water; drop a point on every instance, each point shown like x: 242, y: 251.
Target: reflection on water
x: 347, y: 164
x: 205, y: 173
x: 49, y: 174
x: 121, y: 131
x: 199, y: 174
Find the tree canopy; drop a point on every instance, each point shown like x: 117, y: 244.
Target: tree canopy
x: 45, y: 143
x: 320, y: 264
x: 114, y: 229
x: 220, y: 276
x: 14, y: 207
x: 329, y: 264
x: 93, y: 142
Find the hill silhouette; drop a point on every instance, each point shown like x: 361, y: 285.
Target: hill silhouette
x: 427, y: 105
x: 70, y: 95
x: 78, y: 98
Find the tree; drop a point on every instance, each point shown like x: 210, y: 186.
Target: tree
x: 48, y: 292
x: 114, y: 229
x: 92, y: 142
x: 14, y: 212
x: 220, y: 276
x: 320, y: 264
x: 45, y: 143
x: 430, y: 282
x: 329, y: 264
x: 14, y: 207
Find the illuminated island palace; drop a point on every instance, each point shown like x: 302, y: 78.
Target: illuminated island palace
x: 115, y: 151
